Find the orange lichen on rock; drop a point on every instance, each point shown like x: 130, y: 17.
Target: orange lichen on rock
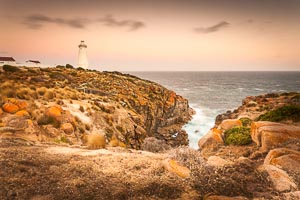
x: 54, y: 111
x: 172, y: 166
x: 171, y: 99
x: 22, y: 113
x: 10, y: 108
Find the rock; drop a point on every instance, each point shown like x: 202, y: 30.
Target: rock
x: 173, y: 167
x: 282, y: 182
x: 23, y: 113
x: 10, y: 108
x: 286, y: 159
x: 67, y: 128
x: 217, y: 161
x: 230, y: 123
x: 215, y: 197
x: 269, y: 135
x: 1, y: 111
x: 211, y: 141
x: 54, y: 112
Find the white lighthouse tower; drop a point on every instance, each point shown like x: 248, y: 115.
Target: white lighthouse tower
x: 82, y: 58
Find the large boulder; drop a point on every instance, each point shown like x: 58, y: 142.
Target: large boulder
x: 282, y: 182
x: 269, y: 135
x: 286, y: 159
x: 230, y: 123
x: 211, y: 141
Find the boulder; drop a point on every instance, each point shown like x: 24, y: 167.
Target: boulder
x: 286, y: 159
x: 211, y: 141
x: 269, y: 135
x: 282, y: 182
x: 173, y: 167
x: 217, y: 161
x: 23, y: 113
x: 10, y: 108
x: 230, y: 123
x: 54, y: 112
x: 67, y: 128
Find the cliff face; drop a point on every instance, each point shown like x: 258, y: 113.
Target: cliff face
x: 123, y: 107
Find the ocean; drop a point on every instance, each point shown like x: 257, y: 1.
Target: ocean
x: 212, y: 93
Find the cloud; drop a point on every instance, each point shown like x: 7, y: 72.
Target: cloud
x: 132, y: 25
x: 217, y: 27
x: 37, y: 21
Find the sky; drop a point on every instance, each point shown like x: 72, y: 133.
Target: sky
x: 150, y: 35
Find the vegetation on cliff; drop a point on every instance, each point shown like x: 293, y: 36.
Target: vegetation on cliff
x: 289, y: 112
x: 121, y: 106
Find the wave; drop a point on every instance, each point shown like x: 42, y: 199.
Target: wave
x: 201, y: 123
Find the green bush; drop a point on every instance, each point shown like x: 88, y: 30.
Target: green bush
x: 10, y: 68
x: 60, y: 66
x: 238, y: 136
x: 246, y: 121
x: 68, y: 66
x: 290, y: 112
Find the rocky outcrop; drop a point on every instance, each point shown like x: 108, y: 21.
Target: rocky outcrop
x: 121, y: 106
x: 269, y: 135
x: 286, y: 159
x: 270, y: 126
x: 254, y: 106
x: 281, y: 180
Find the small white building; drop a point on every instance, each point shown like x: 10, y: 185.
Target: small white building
x: 7, y: 61
x: 82, y: 57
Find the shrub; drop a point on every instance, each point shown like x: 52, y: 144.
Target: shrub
x: 41, y: 91
x: 290, y: 112
x: 44, y: 120
x: 10, y: 68
x: 246, y: 121
x: 154, y: 145
x: 81, y: 108
x: 119, y: 128
x: 80, y: 68
x: 238, y: 136
x: 60, y: 66
x: 68, y: 66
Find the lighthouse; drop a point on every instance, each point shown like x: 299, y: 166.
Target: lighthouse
x: 82, y: 57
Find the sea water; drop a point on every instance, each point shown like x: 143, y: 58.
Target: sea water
x: 212, y: 93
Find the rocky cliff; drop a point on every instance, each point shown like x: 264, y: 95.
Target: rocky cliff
x: 63, y: 104
x: 264, y: 134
